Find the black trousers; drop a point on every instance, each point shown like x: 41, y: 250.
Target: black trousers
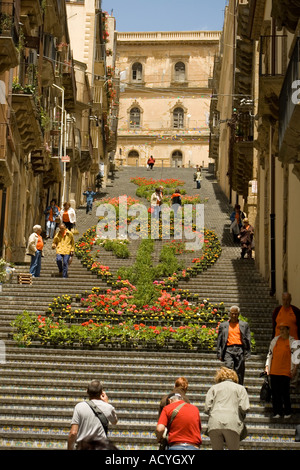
x: 234, y: 359
x: 280, y: 385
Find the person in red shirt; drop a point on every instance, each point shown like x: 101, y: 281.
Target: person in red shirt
x: 185, y: 430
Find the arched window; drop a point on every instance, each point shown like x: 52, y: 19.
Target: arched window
x: 137, y: 72
x: 134, y: 118
x: 178, y: 118
x: 179, y: 72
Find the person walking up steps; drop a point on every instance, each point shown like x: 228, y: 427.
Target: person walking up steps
x: 226, y: 404
x: 91, y: 418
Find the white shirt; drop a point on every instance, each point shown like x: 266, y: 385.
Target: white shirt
x: 89, y: 424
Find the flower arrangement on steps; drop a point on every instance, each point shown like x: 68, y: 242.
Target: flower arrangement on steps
x: 142, y: 308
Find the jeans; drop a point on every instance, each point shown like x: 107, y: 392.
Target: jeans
x: 50, y: 228
x: 89, y: 206
x: 36, y: 263
x: 183, y: 447
x: 62, y: 262
x: 198, y: 184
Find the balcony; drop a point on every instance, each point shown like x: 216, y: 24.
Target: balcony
x: 48, y: 66
x: 38, y: 161
x: 272, y: 67
x: 31, y: 13
x: 8, y: 37
x: 86, y: 152
x: 286, y: 13
x: 27, y: 121
x: 289, y: 111
x: 69, y: 84
x: 241, y: 151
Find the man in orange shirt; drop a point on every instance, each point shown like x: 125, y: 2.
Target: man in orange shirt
x: 280, y: 367
x: 234, y: 343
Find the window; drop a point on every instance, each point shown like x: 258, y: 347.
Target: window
x: 179, y: 72
x: 178, y: 118
x: 137, y: 72
x: 135, y: 118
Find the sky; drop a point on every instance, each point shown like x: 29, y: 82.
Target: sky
x: 166, y: 15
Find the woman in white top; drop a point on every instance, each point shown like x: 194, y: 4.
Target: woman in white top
x: 68, y: 216
x: 156, y: 202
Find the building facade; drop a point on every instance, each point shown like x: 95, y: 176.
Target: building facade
x: 255, y: 130
x: 164, y: 97
x: 47, y: 117
x: 93, y: 38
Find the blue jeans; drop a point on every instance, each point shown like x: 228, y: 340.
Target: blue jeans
x: 36, y: 263
x: 89, y: 206
x: 50, y: 228
x: 183, y: 447
x: 62, y: 262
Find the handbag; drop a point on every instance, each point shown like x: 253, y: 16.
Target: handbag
x: 165, y: 438
x: 265, y: 391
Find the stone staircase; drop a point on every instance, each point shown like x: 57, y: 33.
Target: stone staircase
x: 40, y: 386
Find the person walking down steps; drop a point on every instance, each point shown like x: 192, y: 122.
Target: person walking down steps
x: 65, y: 246
x: 234, y: 343
x: 90, y: 195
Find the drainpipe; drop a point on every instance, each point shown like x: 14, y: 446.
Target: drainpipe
x: 2, y: 221
x: 272, y: 189
x: 272, y: 222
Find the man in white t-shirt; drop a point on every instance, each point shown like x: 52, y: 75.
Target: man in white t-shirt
x: 85, y: 424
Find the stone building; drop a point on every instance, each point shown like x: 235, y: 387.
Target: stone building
x: 46, y: 118
x: 164, y: 97
x: 93, y: 39
x: 255, y: 130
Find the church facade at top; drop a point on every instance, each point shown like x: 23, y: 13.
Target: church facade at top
x: 164, y: 97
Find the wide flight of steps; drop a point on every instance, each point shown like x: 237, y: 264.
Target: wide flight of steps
x: 40, y: 386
